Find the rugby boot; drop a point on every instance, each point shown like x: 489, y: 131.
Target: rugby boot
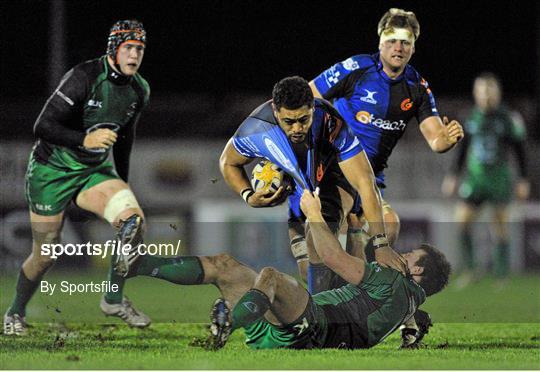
x: 130, y: 232
x: 15, y: 325
x: 221, y: 325
x: 414, y: 329
x: 125, y: 311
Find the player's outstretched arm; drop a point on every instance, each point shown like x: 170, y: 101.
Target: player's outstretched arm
x: 441, y: 135
x: 326, y: 244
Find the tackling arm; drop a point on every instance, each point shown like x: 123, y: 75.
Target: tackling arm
x: 326, y: 244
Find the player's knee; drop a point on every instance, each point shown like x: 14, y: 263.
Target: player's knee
x: 390, y: 216
x: 43, y: 246
x: 121, y: 204
x: 392, y: 224
x: 267, y: 277
x: 41, y: 261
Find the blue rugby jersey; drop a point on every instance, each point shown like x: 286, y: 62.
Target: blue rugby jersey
x: 376, y: 107
x: 329, y: 141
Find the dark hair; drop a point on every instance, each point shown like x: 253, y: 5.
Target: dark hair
x: 292, y: 93
x: 486, y: 75
x: 437, y: 269
x: 401, y: 19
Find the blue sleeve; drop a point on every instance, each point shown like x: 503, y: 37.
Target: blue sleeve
x: 428, y: 106
x: 242, y: 141
x: 335, y: 81
x: 347, y: 143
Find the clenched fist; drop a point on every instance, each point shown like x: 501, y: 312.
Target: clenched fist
x: 100, y: 139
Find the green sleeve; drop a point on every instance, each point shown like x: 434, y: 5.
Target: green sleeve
x: 518, y: 131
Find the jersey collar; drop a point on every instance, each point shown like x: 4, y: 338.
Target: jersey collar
x: 380, y: 69
x: 114, y: 76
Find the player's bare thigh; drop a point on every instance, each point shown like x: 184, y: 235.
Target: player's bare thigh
x: 97, y: 198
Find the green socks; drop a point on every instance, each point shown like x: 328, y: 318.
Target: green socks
x: 467, y: 252
x: 179, y: 270
x: 185, y: 270
x: 501, y: 259
x: 25, y: 289
x: 250, y: 308
x: 114, y: 278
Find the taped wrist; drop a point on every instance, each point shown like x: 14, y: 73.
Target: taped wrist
x: 379, y: 241
x: 299, y: 248
x: 246, y: 193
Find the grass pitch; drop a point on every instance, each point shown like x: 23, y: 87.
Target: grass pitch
x: 481, y: 327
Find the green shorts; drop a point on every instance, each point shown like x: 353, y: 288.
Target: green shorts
x: 495, y: 187
x: 49, y: 189
x: 307, y: 332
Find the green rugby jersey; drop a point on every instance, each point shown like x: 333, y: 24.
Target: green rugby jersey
x: 361, y: 316
x: 90, y: 96
x: 488, y: 136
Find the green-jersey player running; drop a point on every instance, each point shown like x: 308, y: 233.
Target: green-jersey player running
x: 94, y: 110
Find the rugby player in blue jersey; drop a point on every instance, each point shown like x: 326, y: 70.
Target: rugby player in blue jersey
x: 308, y: 139
x: 378, y: 95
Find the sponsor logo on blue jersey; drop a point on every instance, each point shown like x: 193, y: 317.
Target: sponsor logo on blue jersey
x: 350, y: 64
x: 365, y: 117
x: 369, y: 98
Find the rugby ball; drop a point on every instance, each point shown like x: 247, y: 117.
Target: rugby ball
x: 267, y: 176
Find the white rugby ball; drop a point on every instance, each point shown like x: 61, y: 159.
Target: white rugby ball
x: 267, y: 176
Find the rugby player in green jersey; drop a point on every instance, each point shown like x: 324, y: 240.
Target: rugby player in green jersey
x: 276, y: 311
x: 492, y: 130
x: 94, y: 110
